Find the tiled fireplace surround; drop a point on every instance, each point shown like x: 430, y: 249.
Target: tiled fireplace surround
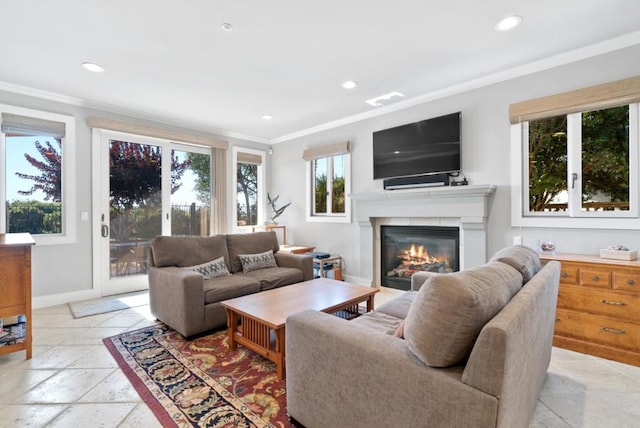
x: 465, y: 207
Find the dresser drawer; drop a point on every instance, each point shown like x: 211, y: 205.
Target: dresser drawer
x: 628, y: 281
x: 569, y: 273
x: 602, y: 302
x: 597, y: 329
x: 595, y: 277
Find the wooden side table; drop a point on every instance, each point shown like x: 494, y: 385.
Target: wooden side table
x: 295, y: 249
x: 336, y: 265
x: 15, y: 289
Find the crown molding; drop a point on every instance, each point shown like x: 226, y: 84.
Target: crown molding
x: 575, y: 55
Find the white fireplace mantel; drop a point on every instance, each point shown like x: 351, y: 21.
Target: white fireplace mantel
x: 464, y: 206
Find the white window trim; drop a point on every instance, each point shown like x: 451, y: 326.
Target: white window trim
x: 262, y: 196
x: 69, y: 198
x: 332, y: 217
x: 520, y: 175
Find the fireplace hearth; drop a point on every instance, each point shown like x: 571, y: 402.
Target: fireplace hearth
x: 409, y: 249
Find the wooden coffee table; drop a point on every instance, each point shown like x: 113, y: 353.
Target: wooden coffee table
x: 255, y: 319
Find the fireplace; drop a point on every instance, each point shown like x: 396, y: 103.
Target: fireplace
x: 409, y: 249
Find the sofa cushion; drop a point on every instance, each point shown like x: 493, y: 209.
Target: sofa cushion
x: 449, y: 311
x: 275, y: 277
x: 249, y: 243
x: 378, y: 321
x: 399, y: 306
x: 212, y: 269
x: 228, y: 287
x: 522, y: 258
x: 183, y: 251
x: 257, y: 261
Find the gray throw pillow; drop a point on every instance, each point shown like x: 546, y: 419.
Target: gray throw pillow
x: 211, y: 269
x: 522, y: 258
x: 449, y: 311
x: 257, y: 261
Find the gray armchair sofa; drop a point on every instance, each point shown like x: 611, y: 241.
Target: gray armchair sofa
x: 189, y: 301
x: 473, y: 351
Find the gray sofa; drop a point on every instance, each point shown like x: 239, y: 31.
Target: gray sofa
x: 474, y: 352
x: 189, y: 301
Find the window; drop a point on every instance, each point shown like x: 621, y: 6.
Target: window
x: 37, y: 183
x: 249, y: 184
x: 576, y: 158
x: 579, y: 165
x: 328, y: 172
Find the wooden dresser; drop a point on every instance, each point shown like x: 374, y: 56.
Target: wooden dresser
x: 15, y: 287
x: 598, y: 309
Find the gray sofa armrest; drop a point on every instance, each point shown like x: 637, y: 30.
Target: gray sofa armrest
x: 176, y: 297
x: 300, y: 261
x: 368, y: 378
x: 418, y: 278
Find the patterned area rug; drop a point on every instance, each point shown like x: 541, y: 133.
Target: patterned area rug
x: 199, y: 382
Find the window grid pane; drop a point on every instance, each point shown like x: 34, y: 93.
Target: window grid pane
x: 547, y: 158
x: 605, y: 160
x: 320, y: 185
x: 34, y: 184
x: 247, y: 194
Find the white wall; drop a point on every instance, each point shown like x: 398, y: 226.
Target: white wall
x: 62, y: 273
x: 485, y: 157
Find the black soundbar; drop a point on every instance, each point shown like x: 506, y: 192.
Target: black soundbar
x: 417, y: 181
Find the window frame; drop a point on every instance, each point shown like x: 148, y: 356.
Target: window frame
x: 329, y: 217
x: 262, y: 196
x: 68, y: 176
x: 574, y: 217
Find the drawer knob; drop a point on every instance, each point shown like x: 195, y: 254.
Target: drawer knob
x: 565, y: 274
x: 609, y: 302
x: 613, y: 330
x: 595, y: 278
x: 631, y: 282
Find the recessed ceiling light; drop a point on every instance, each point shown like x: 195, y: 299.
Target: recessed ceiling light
x: 226, y: 27
x: 93, y: 67
x: 267, y: 117
x: 349, y: 84
x: 508, y: 23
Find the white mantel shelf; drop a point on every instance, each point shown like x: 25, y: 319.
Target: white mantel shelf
x: 466, y: 207
x: 427, y: 192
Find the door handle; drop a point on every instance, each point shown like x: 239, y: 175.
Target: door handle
x: 105, y: 231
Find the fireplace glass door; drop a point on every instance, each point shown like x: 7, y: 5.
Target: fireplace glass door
x: 408, y: 249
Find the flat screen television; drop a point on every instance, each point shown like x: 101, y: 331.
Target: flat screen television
x: 431, y: 146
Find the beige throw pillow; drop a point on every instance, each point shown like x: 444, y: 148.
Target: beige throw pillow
x: 522, y: 258
x: 257, y: 261
x: 448, y: 313
x: 211, y: 269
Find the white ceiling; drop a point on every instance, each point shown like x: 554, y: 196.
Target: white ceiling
x: 170, y: 61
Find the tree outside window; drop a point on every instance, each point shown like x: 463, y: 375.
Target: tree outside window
x: 601, y: 141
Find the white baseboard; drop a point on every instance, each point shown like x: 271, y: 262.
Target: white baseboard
x: 358, y: 280
x: 62, y: 298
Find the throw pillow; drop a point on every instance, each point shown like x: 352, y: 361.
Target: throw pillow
x: 257, y: 261
x: 449, y: 311
x: 520, y: 257
x: 211, y: 269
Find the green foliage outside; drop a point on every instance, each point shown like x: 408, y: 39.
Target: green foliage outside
x: 605, y: 157
x: 247, y: 194
x: 337, y: 195
x: 34, y: 217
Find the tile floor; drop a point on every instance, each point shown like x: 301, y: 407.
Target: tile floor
x: 72, y: 380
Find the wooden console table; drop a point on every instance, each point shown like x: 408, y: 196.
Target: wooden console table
x: 15, y: 286
x: 598, y: 303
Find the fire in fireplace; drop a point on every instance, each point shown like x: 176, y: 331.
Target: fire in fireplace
x: 409, y: 249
